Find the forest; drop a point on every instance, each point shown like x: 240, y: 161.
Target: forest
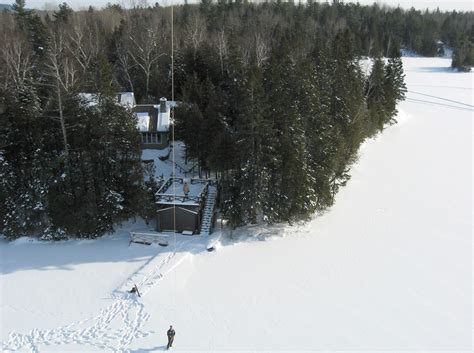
x: 274, y: 103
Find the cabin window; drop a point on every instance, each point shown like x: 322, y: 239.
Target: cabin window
x: 151, y: 138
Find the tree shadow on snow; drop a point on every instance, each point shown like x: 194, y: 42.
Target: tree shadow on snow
x: 30, y: 254
x: 436, y: 69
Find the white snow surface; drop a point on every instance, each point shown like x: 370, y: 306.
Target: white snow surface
x: 143, y: 121
x: 163, y: 123
x: 177, y: 189
x: 388, y: 267
x: 165, y: 168
x: 127, y: 99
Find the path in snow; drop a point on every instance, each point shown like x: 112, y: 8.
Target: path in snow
x: 116, y: 326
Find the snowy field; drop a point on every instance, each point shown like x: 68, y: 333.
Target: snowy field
x: 389, y: 267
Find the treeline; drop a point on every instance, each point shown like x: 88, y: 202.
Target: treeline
x: 463, y: 54
x: 275, y: 103
x: 281, y: 118
x: 67, y: 167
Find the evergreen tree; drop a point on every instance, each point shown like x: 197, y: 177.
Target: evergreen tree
x: 376, y: 96
x: 463, y: 55
x: 290, y: 178
x: 394, y: 87
x: 30, y: 24
x: 319, y: 132
x: 23, y: 166
x: 63, y: 14
x: 254, y: 145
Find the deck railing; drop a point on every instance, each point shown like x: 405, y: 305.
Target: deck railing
x: 162, y: 196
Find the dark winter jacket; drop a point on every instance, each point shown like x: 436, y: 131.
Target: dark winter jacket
x: 171, y: 333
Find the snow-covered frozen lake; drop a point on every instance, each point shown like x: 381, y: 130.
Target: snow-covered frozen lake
x: 389, y: 267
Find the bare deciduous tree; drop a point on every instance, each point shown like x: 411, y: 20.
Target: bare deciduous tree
x: 222, y: 47
x: 262, y: 49
x: 84, y: 45
x: 16, y: 55
x: 195, y: 32
x: 124, y: 63
x: 145, y: 52
x: 63, y: 74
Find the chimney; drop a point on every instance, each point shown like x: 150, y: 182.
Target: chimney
x: 163, y: 107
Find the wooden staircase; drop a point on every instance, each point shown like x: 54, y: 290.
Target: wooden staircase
x: 208, y: 211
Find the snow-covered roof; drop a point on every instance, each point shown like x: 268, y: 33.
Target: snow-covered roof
x: 143, y: 121
x: 159, y: 120
x: 163, y: 122
x: 127, y: 99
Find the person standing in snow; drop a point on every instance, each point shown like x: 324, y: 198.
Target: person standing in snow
x: 186, y: 190
x: 170, y: 335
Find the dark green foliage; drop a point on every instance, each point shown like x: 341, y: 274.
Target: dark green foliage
x: 105, y: 185
x: 31, y: 26
x: 275, y: 103
x: 394, y: 86
x: 100, y: 185
x: 463, y: 55
x: 376, y: 95
x: 148, y: 209
x: 24, y: 165
x: 294, y: 125
x: 254, y: 152
x: 63, y: 14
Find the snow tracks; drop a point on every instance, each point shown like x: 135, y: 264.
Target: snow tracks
x: 116, y: 326
x: 157, y: 267
x: 113, y: 329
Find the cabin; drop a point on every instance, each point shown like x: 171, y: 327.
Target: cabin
x: 186, y: 206
x: 153, y: 119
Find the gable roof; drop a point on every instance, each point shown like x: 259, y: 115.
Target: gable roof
x: 158, y: 121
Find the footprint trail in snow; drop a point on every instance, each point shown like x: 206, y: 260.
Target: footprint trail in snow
x: 116, y: 326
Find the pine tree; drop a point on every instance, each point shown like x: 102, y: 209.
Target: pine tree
x: 314, y: 106
x: 254, y: 148
x: 347, y: 109
x: 376, y: 96
x: 394, y: 86
x: 29, y: 23
x: 24, y: 182
x: 463, y: 54
x: 63, y: 14
x: 291, y: 194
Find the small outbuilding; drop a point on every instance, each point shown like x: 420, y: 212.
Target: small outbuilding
x: 186, y: 205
